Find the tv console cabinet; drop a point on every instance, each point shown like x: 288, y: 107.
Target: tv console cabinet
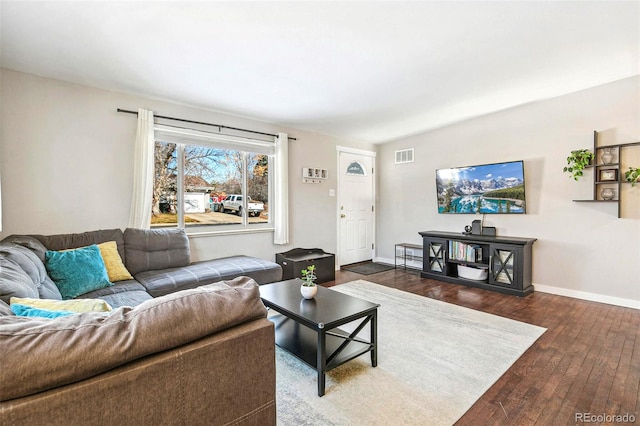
x: 505, y: 261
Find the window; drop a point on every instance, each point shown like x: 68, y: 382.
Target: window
x: 200, y: 182
x: 356, y: 168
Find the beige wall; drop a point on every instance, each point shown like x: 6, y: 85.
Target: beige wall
x: 67, y: 165
x: 583, y: 249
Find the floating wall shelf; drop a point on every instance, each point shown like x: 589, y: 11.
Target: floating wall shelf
x: 314, y: 175
x: 609, y: 174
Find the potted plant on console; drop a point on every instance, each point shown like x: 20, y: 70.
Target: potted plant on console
x: 577, y: 161
x: 308, y: 289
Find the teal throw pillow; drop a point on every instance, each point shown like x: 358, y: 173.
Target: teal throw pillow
x: 78, y: 271
x: 30, y: 311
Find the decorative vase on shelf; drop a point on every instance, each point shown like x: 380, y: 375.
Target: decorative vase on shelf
x: 607, y: 156
x: 308, y: 289
x: 607, y: 194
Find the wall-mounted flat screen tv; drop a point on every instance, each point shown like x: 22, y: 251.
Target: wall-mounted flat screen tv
x: 488, y: 188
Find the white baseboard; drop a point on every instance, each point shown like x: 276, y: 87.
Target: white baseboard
x: 383, y: 260
x: 592, y: 297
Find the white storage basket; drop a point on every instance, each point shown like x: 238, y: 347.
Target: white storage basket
x: 472, y: 273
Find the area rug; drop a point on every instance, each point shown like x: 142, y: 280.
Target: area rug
x: 435, y: 360
x: 367, y: 268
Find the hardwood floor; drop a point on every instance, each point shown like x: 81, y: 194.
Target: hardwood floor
x: 588, y: 360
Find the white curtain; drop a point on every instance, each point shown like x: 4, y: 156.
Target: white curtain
x: 0, y: 208
x: 140, y: 216
x: 281, y: 190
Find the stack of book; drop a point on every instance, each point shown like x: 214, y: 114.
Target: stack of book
x: 465, y: 252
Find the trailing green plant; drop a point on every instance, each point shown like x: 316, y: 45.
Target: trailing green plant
x: 577, y: 161
x: 632, y: 175
x: 308, y: 276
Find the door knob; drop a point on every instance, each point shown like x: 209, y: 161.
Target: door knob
x: 343, y: 215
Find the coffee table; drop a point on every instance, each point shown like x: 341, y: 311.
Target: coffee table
x: 309, y: 329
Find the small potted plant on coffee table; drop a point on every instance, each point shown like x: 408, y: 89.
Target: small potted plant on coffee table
x: 308, y: 289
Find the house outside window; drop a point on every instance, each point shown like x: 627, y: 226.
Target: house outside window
x: 210, y: 185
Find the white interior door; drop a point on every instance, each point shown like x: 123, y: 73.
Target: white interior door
x: 355, y: 207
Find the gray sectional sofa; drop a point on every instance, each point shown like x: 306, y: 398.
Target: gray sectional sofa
x: 186, y: 343
x: 158, y: 260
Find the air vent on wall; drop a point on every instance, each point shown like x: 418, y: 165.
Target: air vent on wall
x: 404, y: 156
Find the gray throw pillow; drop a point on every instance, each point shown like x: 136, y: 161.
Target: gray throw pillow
x: 31, y: 264
x: 5, y: 310
x: 14, y: 281
x: 29, y: 242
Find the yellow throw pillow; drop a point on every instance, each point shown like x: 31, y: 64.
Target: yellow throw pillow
x: 113, y: 262
x: 74, y: 305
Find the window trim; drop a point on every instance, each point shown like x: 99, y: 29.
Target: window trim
x: 183, y: 137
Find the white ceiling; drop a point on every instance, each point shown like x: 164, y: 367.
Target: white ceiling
x: 369, y: 71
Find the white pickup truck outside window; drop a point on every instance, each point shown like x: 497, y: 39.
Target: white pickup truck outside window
x: 233, y: 204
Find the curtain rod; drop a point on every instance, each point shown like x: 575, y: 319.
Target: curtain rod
x: 220, y: 126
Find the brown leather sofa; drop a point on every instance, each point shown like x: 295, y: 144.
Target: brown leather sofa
x: 201, y: 356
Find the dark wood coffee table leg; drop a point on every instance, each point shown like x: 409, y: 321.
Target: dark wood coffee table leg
x: 374, y: 338
x: 322, y: 360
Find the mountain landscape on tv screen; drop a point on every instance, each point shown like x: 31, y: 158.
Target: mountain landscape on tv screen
x: 493, y: 188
